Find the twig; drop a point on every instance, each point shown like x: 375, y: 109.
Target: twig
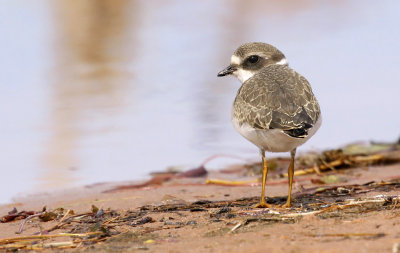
x: 236, y: 227
x: 21, y: 227
x: 396, y: 201
x: 61, y: 220
x: 111, y: 220
x: 329, y: 165
x: 78, y: 216
x: 348, y: 235
x: 43, y: 237
x: 58, y: 244
x: 317, y: 170
x: 232, y: 183
x: 370, y: 158
x: 40, y: 246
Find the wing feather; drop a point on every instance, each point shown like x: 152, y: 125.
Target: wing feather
x: 277, y: 98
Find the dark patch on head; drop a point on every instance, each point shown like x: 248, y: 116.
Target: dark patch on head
x: 247, y: 48
x: 266, y: 55
x: 249, y: 64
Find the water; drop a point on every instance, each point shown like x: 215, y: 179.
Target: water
x: 95, y: 91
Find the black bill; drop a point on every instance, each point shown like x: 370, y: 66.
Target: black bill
x: 227, y: 71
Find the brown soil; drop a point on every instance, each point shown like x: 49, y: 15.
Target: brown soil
x: 358, y: 212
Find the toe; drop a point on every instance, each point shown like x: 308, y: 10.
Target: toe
x: 262, y: 205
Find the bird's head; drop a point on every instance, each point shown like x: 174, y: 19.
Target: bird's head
x: 250, y: 58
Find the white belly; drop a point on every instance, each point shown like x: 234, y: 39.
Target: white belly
x: 273, y: 140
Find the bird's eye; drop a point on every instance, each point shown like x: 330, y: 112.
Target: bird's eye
x: 253, y: 59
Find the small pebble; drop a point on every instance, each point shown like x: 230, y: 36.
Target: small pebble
x: 173, y: 223
x: 143, y: 221
x: 191, y: 222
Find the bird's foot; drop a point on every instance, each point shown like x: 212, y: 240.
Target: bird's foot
x: 262, y: 204
x: 287, y: 205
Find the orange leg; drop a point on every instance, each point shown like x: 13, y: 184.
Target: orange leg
x: 263, y: 203
x: 290, y: 175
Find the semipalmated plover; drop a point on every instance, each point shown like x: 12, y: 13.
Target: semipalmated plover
x: 275, y: 108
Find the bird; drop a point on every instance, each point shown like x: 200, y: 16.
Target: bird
x: 274, y: 108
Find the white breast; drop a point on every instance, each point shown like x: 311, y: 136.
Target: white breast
x: 273, y: 140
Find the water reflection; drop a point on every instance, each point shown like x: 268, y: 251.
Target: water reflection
x: 89, y: 81
x: 110, y: 90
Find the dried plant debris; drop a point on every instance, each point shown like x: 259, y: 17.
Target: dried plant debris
x: 62, y: 228
x: 15, y: 215
x: 233, y: 216
x: 351, y: 156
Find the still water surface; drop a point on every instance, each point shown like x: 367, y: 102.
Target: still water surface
x: 95, y: 91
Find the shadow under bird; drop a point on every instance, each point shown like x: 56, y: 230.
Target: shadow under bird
x: 275, y: 107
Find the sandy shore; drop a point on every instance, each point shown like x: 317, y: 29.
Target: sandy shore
x: 357, y: 212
